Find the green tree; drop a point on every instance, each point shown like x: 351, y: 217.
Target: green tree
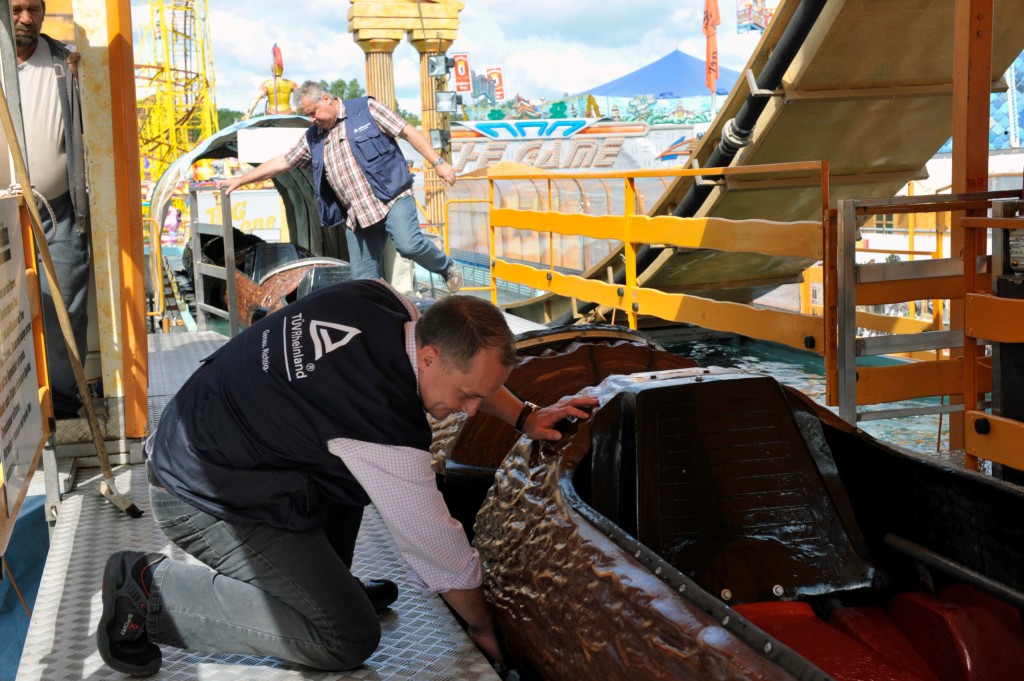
x: 352, y: 89
x: 344, y: 90
x: 226, y: 117
x: 411, y: 118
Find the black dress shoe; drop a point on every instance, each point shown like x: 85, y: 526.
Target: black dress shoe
x: 381, y: 592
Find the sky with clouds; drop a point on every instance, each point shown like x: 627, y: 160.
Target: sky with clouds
x: 546, y: 47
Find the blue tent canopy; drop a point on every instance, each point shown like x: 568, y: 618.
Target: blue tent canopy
x: 673, y: 76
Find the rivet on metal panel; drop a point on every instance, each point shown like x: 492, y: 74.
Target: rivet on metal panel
x: 621, y: 291
x: 636, y: 307
x: 726, y: 595
x: 778, y: 590
x: 768, y: 647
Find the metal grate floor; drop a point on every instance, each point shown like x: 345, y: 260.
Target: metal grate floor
x: 420, y: 639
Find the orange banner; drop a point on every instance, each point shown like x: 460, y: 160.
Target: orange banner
x: 711, y: 21
x: 463, y: 80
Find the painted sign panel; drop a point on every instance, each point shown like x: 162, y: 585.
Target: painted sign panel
x: 569, y: 144
x: 463, y: 76
x: 20, y: 418
x: 253, y: 211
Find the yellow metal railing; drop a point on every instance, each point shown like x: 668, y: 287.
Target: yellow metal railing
x: 445, y: 238
x: 829, y: 327
x: 634, y: 230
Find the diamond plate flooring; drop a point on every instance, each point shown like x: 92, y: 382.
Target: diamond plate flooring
x: 420, y: 638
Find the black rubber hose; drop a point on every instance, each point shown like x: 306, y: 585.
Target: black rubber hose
x: 736, y: 133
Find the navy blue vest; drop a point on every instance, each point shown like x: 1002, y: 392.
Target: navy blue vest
x: 245, y: 439
x: 377, y: 154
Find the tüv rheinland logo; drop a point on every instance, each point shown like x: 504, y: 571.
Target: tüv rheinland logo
x: 328, y: 336
x: 559, y: 128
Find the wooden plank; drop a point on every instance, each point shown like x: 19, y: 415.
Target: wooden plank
x: 932, y: 288
x: 788, y: 239
x: 999, y: 440
x: 994, y: 319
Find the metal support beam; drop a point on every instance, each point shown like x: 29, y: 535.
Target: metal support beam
x: 972, y: 78
x: 107, y: 77
x: 845, y: 263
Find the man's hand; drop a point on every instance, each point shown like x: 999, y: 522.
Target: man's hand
x: 447, y: 173
x: 472, y: 608
x: 540, y: 425
x: 73, y: 59
x: 486, y: 640
x: 231, y: 184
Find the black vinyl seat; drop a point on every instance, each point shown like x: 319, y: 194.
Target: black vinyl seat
x: 724, y: 481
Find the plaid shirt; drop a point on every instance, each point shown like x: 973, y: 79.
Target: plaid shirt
x: 403, y: 487
x: 343, y: 172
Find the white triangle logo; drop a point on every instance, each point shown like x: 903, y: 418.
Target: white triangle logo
x: 322, y: 342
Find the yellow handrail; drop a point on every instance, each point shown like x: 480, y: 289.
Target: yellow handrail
x: 634, y: 230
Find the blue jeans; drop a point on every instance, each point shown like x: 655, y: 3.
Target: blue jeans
x: 70, y: 253
x: 366, y: 244
x: 262, y: 590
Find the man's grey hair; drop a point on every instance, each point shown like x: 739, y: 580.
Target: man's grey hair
x: 311, y: 90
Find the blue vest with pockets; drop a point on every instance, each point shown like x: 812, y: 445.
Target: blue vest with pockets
x: 245, y: 439
x: 378, y: 156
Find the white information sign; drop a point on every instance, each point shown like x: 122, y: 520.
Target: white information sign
x: 20, y: 418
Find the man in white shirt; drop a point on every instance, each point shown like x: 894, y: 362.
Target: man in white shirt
x: 51, y: 112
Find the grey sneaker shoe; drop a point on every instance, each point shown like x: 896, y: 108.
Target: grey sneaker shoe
x: 453, y: 279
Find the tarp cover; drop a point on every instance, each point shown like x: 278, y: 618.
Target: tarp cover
x: 673, y: 76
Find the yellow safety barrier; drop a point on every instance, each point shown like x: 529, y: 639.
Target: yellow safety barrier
x: 803, y: 239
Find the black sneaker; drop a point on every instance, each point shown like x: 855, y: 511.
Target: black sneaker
x: 381, y: 592
x: 121, y: 635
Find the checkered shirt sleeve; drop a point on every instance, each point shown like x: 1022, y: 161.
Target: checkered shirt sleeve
x: 298, y: 156
x: 401, y: 484
x: 387, y: 120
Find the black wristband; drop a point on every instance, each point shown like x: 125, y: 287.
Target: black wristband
x: 524, y: 413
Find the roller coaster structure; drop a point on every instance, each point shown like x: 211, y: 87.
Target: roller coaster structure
x: 174, y: 82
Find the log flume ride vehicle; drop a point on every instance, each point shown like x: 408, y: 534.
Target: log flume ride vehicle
x: 711, y: 524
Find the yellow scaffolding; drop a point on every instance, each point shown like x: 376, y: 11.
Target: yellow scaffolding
x: 174, y: 83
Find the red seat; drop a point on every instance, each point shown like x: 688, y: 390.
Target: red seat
x: 831, y: 650
x: 963, y: 633
x: 875, y: 628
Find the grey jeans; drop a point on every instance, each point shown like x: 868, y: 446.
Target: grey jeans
x: 366, y: 244
x: 262, y: 590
